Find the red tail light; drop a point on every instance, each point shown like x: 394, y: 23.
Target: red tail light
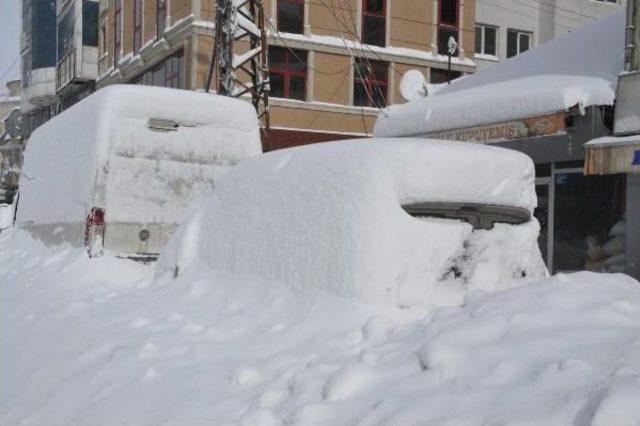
x: 94, y: 232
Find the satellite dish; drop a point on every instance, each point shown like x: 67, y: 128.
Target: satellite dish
x: 413, y: 85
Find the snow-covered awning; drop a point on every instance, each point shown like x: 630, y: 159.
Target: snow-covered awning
x: 613, y: 154
x: 579, y: 69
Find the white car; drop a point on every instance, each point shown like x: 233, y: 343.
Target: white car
x: 378, y: 219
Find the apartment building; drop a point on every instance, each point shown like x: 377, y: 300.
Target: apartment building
x: 333, y: 63
x: 505, y: 28
x: 38, y: 51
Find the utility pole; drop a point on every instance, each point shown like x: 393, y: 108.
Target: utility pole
x: 247, y: 73
x: 627, y: 108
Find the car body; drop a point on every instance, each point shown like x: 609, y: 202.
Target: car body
x: 377, y: 219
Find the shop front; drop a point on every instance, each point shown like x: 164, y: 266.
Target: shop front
x: 588, y: 221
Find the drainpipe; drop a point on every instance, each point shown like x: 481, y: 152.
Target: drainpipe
x: 632, y: 42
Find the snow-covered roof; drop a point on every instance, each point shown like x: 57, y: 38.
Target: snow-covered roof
x: 580, y: 68
x: 610, y: 141
x: 329, y: 216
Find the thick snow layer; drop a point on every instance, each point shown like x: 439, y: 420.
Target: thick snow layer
x: 329, y: 216
x: 610, y: 141
x: 101, y: 152
x: 93, y: 341
x: 578, y: 69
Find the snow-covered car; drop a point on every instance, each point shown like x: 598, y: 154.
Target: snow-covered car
x: 402, y: 220
x: 118, y: 169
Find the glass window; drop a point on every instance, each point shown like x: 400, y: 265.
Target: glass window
x: 447, y: 25
x: 486, y: 38
x: 291, y: 16
x: 137, y: 26
x: 370, y: 82
x: 90, y: 23
x: 589, y: 225
x: 117, y: 31
x: 43, y: 34
x: 374, y: 22
x: 542, y: 214
x: 517, y: 42
x: 439, y: 76
x: 288, y: 73
x: 161, y: 17
x: 65, y: 33
x: 168, y: 73
x: 449, y: 12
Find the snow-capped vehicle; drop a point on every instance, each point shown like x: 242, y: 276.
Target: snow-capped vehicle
x: 118, y: 169
x: 381, y: 219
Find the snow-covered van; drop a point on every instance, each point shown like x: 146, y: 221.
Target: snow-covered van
x: 118, y: 169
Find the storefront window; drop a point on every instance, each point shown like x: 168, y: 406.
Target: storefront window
x: 589, y: 223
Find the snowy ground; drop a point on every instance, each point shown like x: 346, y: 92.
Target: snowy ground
x: 93, y: 342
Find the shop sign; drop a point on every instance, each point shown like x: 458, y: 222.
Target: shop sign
x: 636, y: 158
x: 518, y: 129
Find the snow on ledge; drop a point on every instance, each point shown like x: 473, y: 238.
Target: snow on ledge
x: 578, y: 69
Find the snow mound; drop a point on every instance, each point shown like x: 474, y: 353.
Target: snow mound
x: 578, y: 69
x: 329, y: 216
x: 93, y: 341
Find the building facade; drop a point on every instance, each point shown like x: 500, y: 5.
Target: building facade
x: 38, y: 50
x: 333, y: 63
x: 509, y: 27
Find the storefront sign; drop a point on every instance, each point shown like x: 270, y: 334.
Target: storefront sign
x: 519, y: 129
x: 636, y: 158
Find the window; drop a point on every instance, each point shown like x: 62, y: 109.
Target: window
x: 374, y: 22
x: 439, y: 76
x: 103, y: 38
x: 117, y: 31
x: 90, y: 14
x: 517, y: 42
x: 288, y: 73
x: 65, y: 33
x: 448, y: 15
x: 161, y: 16
x: 43, y: 34
x: 486, y: 40
x: 291, y: 16
x: 137, y: 25
x: 168, y: 73
x: 370, y: 81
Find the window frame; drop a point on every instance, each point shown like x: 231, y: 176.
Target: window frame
x: 137, y: 26
x: 518, y: 33
x: 448, y: 26
x: 371, y: 83
x: 287, y: 73
x: 483, y: 40
x: 301, y: 6
x: 379, y: 15
x: 117, y: 31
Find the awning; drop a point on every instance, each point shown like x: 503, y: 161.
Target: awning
x: 613, y: 154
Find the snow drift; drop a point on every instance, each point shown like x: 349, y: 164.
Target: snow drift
x: 92, y: 342
x: 578, y: 69
x: 329, y: 216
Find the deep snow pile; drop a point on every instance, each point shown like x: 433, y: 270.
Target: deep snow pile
x: 329, y: 216
x: 91, y: 342
x: 577, y: 69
